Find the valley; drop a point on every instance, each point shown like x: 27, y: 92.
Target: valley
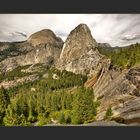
x: 45, y: 81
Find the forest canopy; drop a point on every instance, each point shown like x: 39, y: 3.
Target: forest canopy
x: 59, y: 97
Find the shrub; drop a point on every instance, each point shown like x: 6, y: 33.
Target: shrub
x: 109, y: 113
x: 61, y: 117
x: 42, y: 120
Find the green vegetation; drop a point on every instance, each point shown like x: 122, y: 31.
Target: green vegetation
x: 65, y: 80
x: 109, y: 113
x: 64, y: 106
x: 4, y: 101
x: 57, y: 97
x: 83, y: 107
x: 123, y: 57
x: 16, y: 73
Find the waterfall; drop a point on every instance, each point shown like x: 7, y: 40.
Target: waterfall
x: 62, y: 50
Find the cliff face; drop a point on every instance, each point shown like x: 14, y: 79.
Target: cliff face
x: 80, y: 53
x: 41, y: 47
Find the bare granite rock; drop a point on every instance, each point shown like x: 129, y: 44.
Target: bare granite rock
x: 41, y: 47
x: 120, y: 90
x: 13, y: 83
x: 80, y: 53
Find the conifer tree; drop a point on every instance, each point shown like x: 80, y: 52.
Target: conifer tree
x: 4, y: 101
x: 82, y: 106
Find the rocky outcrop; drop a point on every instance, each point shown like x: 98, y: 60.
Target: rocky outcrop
x: 45, y: 36
x: 104, y: 123
x: 80, y: 53
x: 120, y: 90
x: 7, y: 84
x: 96, y: 123
x: 103, y: 67
x: 41, y: 47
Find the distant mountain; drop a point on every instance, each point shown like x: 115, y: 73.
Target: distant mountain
x: 45, y: 36
x: 106, y: 45
x: 41, y: 47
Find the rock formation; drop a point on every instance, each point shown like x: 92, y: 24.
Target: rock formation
x: 80, y: 53
x: 41, y: 47
x: 45, y: 36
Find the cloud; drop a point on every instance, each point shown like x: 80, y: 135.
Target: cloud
x: 131, y: 37
x: 115, y: 29
x: 22, y: 34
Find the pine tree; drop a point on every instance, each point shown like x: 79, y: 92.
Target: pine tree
x: 4, y: 101
x: 82, y: 106
x: 59, y: 101
x: 61, y: 117
x: 54, y: 106
x: 32, y: 106
x: 69, y: 101
x: 48, y: 103
x: 64, y: 97
x: 11, y: 117
x: 109, y: 113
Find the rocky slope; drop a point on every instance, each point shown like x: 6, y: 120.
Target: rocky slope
x: 119, y: 89
x: 41, y: 47
x: 13, y: 83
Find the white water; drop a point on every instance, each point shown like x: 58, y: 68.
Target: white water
x: 62, y: 50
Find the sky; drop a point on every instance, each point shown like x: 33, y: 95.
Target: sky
x: 115, y: 29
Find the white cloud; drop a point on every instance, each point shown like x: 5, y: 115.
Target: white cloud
x: 110, y: 28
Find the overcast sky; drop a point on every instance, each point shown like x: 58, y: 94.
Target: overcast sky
x: 115, y: 29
